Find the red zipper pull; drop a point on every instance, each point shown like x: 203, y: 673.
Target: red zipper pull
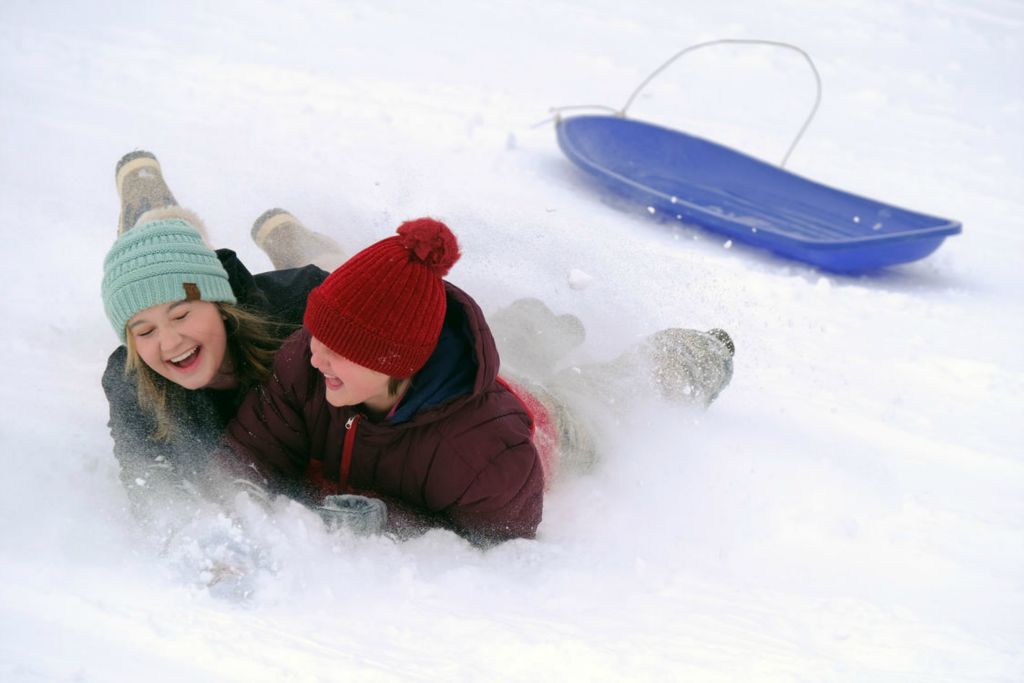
x: 346, y: 451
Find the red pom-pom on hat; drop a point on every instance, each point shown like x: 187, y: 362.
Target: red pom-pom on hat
x: 431, y: 243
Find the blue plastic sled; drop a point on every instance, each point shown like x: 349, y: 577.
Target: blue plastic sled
x: 697, y: 181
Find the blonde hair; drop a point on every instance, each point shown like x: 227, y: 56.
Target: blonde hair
x: 252, y: 340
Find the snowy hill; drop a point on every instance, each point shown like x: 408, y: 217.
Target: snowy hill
x: 850, y: 509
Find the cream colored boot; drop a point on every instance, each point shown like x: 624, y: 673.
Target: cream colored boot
x: 141, y: 187
x: 290, y: 244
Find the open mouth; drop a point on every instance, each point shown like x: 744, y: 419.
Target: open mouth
x: 333, y: 383
x: 186, y: 360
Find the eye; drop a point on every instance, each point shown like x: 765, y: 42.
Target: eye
x: 144, y: 333
x: 181, y: 317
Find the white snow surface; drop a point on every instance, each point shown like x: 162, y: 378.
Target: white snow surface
x: 850, y: 509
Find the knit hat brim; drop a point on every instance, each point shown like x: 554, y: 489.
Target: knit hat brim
x: 127, y: 301
x: 150, y: 265
x: 370, y: 348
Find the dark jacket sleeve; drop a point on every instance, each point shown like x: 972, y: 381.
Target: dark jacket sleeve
x: 286, y: 291
x: 149, y: 472
x: 267, y: 440
x: 487, y: 477
x: 279, y: 294
x: 505, y: 500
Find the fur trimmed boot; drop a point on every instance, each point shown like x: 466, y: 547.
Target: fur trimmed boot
x: 141, y: 188
x: 187, y: 215
x: 290, y: 244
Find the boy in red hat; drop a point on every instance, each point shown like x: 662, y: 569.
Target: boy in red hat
x: 392, y: 389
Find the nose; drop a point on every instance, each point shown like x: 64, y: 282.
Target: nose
x: 315, y: 352
x: 169, y: 339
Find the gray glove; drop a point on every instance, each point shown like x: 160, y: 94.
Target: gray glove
x: 361, y: 515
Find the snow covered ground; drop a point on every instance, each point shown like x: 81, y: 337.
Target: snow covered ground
x: 851, y: 509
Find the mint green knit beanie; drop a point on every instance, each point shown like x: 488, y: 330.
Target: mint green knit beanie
x: 156, y: 263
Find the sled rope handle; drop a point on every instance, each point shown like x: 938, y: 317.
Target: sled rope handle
x: 741, y: 41
x: 557, y: 111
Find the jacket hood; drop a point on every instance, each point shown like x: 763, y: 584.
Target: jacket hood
x: 464, y: 363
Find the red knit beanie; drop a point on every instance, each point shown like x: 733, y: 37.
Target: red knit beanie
x: 384, y: 307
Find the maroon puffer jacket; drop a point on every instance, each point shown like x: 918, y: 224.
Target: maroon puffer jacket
x: 464, y: 457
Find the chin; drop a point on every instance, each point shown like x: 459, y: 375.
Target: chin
x: 336, y: 401
x: 194, y: 386
x: 196, y: 383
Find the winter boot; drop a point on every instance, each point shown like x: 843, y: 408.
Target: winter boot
x: 689, y: 366
x: 682, y: 366
x: 290, y: 244
x: 141, y: 187
x: 531, y: 339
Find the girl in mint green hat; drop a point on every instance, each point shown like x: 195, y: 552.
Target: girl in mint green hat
x: 197, y: 331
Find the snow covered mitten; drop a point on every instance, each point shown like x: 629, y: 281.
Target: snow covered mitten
x: 290, y: 244
x: 531, y: 339
x: 361, y: 515
x: 141, y: 187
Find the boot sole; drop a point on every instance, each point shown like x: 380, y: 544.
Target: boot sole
x: 723, y: 336
x: 132, y: 162
x: 268, y: 222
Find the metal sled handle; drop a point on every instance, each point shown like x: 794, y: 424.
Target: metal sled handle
x: 740, y: 41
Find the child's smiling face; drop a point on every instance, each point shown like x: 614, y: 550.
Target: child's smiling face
x: 183, y: 341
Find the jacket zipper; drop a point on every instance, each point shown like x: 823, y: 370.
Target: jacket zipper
x: 346, y: 451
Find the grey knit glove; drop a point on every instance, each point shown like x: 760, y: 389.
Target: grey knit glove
x: 361, y: 515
